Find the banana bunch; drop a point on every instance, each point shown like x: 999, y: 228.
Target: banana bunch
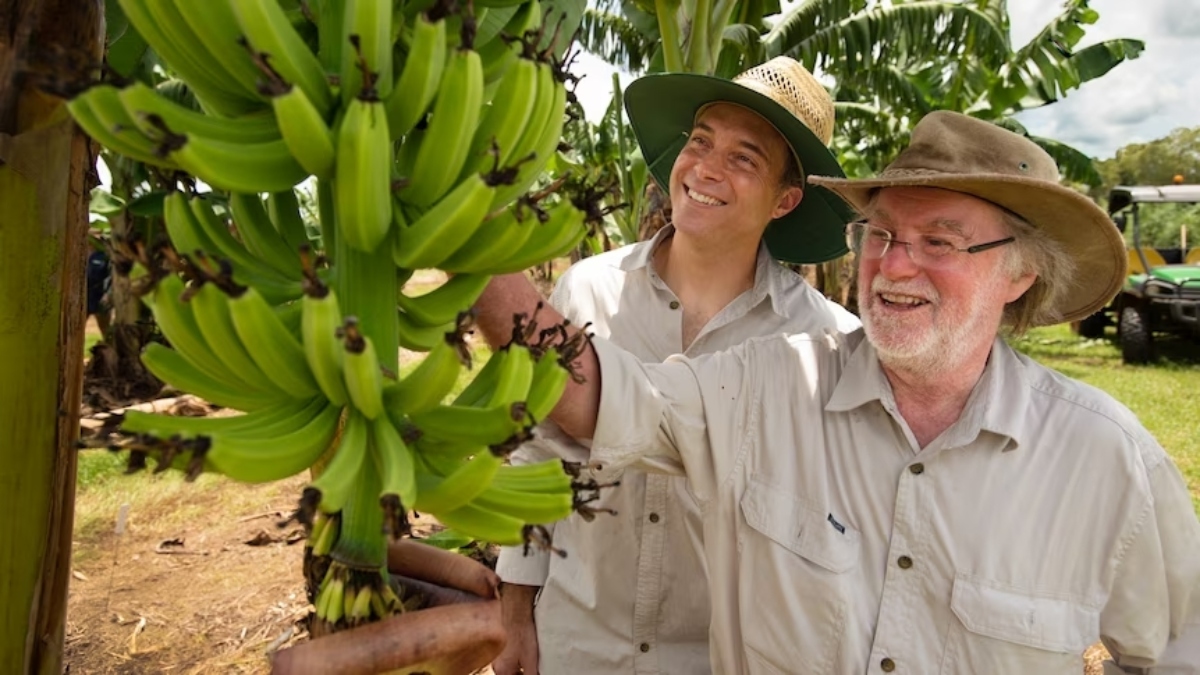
x: 425, y: 129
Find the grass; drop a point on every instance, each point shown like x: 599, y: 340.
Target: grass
x: 1164, y: 394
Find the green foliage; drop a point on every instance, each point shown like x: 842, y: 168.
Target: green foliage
x: 1160, y: 225
x: 1154, y: 163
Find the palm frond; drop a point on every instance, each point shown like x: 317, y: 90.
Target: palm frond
x: 616, y: 40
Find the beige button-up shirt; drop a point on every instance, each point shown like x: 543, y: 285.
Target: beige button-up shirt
x: 1046, y: 518
x: 631, y: 595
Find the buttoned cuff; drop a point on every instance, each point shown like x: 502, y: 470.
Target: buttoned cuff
x: 514, y: 567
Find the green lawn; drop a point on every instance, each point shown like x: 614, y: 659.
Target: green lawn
x: 1164, y: 395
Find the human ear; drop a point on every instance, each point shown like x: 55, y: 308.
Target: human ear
x: 789, y: 198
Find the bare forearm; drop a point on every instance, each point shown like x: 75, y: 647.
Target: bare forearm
x: 512, y: 294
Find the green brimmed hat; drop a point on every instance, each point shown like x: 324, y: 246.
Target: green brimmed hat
x: 662, y: 110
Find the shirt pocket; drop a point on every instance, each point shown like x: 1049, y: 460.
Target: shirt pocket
x: 1000, y: 629
x: 794, y: 605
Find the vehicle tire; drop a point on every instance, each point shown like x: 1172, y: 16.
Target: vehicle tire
x: 1135, y: 336
x: 1093, y: 326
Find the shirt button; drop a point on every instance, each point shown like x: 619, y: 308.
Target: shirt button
x: 645, y: 647
x: 904, y: 562
x: 674, y: 305
x: 917, y: 468
x: 887, y: 665
x: 654, y: 517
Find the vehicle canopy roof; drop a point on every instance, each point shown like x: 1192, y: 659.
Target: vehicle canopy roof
x: 1123, y: 195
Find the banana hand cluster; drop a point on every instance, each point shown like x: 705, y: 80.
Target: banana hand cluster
x: 426, y: 136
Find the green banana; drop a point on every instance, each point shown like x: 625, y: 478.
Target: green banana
x: 126, y: 141
x: 319, y: 323
x: 444, y: 303
x: 363, y: 189
x: 550, y: 380
x: 469, y: 424
x: 305, y: 132
x: 480, y: 387
x: 443, y: 150
x: 500, y: 237
x: 216, y: 28
x: 398, y: 473
x: 237, y: 167
x: 177, y: 28
x: 485, y: 525
x: 333, y: 487
x: 437, y: 494
x: 211, y: 308
x: 283, y: 208
x: 211, y: 88
x: 176, y: 320
x: 418, y: 338
x: 217, y: 232
x: 280, y: 417
x: 171, y: 367
x: 258, y: 460
x: 561, y: 233
x: 515, y: 376
x: 272, y: 346
x: 364, y: 379
x: 503, y: 123
x: 498, y: 55
x: 438, y: 233
x: 371, y: 22
x: 546, y: 135
x: 545, y: 476
x: 428, y: 383
x: 269, y: 31
x: 142, y: 102
x: 531, y: 507
x: 419, y: 79
x: 259, y: 235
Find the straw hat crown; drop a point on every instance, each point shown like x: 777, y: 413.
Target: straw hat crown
x: 960, y: 145
x: 786, y: 82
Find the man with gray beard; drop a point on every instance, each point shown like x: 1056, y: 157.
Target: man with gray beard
x: 925, y: 500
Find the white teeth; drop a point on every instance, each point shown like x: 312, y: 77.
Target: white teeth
x: 901, y: 299
x: 705, y: 199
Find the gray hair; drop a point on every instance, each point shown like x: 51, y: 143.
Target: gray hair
x: 1038, y: 253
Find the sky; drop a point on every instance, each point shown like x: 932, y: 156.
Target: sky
x: 1138, y: 101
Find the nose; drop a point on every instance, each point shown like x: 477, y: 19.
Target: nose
x: 707, y: 167
x: 897, y: 262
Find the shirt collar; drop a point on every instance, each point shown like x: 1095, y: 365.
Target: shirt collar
x: 770, y: 277
x: 997, y: 404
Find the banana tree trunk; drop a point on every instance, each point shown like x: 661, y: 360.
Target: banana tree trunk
x: 43, y: 160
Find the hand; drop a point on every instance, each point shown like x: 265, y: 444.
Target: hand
x: 520, y: 653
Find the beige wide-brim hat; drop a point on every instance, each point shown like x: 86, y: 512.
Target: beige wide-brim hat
x: 955, y: 152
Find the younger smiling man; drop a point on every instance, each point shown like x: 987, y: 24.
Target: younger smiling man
x: 630, y: 596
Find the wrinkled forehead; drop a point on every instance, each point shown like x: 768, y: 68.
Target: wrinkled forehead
x: 937, y: 209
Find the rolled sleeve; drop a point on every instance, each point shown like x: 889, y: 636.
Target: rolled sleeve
x: 668, y: 417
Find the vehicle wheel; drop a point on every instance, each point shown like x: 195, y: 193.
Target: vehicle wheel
x: 1134, y: 335
x: 1093, y: 326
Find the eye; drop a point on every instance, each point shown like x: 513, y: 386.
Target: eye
x: 935, y: 246
x: 699, y: 140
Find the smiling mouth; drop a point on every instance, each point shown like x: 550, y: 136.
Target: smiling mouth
x: 902, y: 301
x: 704, y: 199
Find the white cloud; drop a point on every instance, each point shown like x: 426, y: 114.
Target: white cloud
x: 1137, y: 101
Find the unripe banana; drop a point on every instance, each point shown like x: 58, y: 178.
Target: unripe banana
x: 438, y: 494
x: 516, y: 374
x: 428, y: 383
x: 260, y: 236
x: 549, y: 382
x: 268, y: 29
x: 468, y: 424
x: 441, y: 230
x: 211, y: 308
x: 320, y: 320
x: 419, y: 338
x: 422, y: 73
x: 171, y: 367
x: 238, y: 167
x: 499, y: 238
x: 504, y: 120
x: 333, y: 488
x: 371, y: 22
x: 144, y: 104
x: 364, y: 380
x: 531, y: 507
x: 254, y: 459
x: 305, y: 132
x: 398, y: 473
x: 272, y: 346
x: 455, y: 115
x: 363, y: 188
x: 284, y: 413
x: 485, y: 525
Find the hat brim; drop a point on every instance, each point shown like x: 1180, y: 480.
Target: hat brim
x: 1065, y: 215
x: 662, y: 108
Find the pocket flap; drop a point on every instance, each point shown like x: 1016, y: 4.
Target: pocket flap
x: 1053, y: 624
x: 790, y: 522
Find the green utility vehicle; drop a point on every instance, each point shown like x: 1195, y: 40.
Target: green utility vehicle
x: 1162, y: 292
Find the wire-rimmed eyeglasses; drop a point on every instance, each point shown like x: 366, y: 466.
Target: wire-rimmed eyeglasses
x: 873, y: 243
